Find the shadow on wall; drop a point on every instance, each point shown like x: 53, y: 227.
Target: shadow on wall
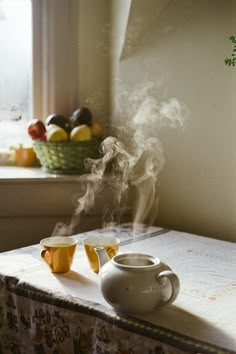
x: 178, y: 51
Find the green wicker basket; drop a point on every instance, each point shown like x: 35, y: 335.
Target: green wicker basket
x: 66, y: 157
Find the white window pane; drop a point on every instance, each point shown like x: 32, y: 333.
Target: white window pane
x: 15, y: 69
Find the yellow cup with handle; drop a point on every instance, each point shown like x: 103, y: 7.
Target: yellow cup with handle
x: 58, y: 252
x: 110, y: 243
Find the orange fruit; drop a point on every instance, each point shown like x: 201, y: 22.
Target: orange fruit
x: 25, y: 157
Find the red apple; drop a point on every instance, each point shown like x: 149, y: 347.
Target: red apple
x: 36, y: 129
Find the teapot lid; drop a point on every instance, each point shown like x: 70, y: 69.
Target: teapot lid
x: 136, y: 260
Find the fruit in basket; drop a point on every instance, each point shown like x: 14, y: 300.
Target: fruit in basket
x: 36, y: 129
x: 56, y: 133
x: 81, y: 133
x: 97, y: 129
x: 59, y: 120
x: 81, y: 116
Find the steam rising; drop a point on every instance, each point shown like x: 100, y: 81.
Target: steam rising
x: 132, y: 160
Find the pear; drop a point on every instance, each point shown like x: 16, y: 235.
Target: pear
x: 97, y: 129
x: 56, y: 133
x: 81, y: 133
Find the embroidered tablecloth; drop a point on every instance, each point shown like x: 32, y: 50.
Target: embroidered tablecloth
x: 42, y: 312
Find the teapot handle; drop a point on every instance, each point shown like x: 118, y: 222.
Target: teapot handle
x: 170, y: 277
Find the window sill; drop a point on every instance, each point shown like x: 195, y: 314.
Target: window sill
x: 33, y: 202
x: 28, y: 191
x: 13, y: 174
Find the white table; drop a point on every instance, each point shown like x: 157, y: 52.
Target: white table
x: 41, y: 312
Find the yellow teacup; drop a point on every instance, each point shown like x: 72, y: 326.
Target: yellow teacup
x: 109, y: 243
x: 58, y: 252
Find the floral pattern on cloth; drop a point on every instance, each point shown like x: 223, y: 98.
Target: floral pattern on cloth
x: 30, y: 326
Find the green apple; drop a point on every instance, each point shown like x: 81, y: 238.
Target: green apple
x: 56, y: 133
x: 81, y: 133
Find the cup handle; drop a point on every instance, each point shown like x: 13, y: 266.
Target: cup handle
x: 168, y: 276
x: 45, y: 255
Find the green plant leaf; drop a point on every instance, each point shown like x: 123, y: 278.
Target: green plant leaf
x: 231, y: 61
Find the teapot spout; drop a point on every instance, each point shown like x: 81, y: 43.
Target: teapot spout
x: 102, y: 256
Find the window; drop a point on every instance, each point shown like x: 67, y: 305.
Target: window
x: 15, y: 70
x: 38, y: 63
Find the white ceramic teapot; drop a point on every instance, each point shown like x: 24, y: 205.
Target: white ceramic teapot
x: 136, y: 283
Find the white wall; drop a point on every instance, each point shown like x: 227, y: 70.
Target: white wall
x: 185, y: 46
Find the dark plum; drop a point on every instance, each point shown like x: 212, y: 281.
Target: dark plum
x: 81, y: 116
x: 58, y: 120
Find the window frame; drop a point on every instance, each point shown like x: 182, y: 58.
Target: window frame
x: 55, y: 57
